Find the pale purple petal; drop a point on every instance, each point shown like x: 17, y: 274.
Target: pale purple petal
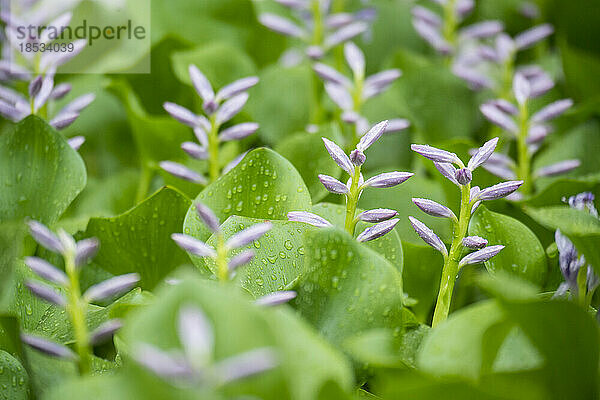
x: 238, y: 132
x: 76, y: 142
x: 537, y: 133
x: 464, y: 7
x: 35, y: 85
x: 85, y: 250
x: 426, y: 15
x: 247, y: 364
x: 371, y: 136
x: 355, y: 59
x: 483, y: 154
x: 162, y: 363
x: 46, y: 270
x: 377, y: 215
x: 281, y: 25
x: 498, y: 117
x: 233, y: 163
x: 194, y: 150
x: 338, y: 20
x: 505, y: 106
x: 480, y: 255
x: 340, y: 96
x: 472, y: 76
x: 201, y: 84
x: 396, y: 125
x: 435, y: 209
x: 377, y: 231
x: 432, y: 36
x: 195, y: 333
x: 521, y: 88
x: 329, y: 74
x: 434, y: 154
x: 448, y: 170
x: 333, y: 185
x: 236, y: 88
x: 552, y: 110
x: 500, y: 190
x: 64, y: 120
x: 46, y: 293
x: 181, y: 114
x: 346, y: 33
x: 377, y: 83
x: 481, y: 30
x: 231, y: 108
x: 208, y: 217
x: 532, y: 36
x: 112, y: 287
x: 428, y: 236
x: 276, y: 298
x: 182, y: 172
x: 52, y: 60
x: 44, y: 93
x: 248, y: 235
x: 338, y: 156
x: 474, y: 242
x: 200, y: 133
x: 80, y: 103
x: 105, y: 331
x: 505, y: 47
x: 193, y: 245
x: 308, y: 218
x: 387, y: 179
x: 242, y: 258
x: 45, y: 237
x: 558, y: 168
x: 501, y: 171
x: 48, y: 347
x: 60, y: 91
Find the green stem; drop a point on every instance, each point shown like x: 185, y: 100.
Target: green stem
x: 213, y: 150
x: 352, y: 202
x: 222, y: 267
x: 317, y: 15
x: 76, y: 309
x: 524, y: 157
x: 450, y: 22
x: 450, y: 270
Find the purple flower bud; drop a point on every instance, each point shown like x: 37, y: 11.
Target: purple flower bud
x: 35, y: 85
x: 112, y: 287
x: 428, y: 236
x: 308, y: 218
x: 371, y: 136
x: 552, y: 110
x: 238, y: 132
x: 333, y: 185
x: 161, y: 363
x: 60, y: 91
x: 448, y: 170
x: 338, y: 156
x: 44, y: 92
x: 329, y: 74
x: 499, y: 170
x: 357, y: 157
x: 46, y: 293
x: 537, y: 133
x: 345, y: 33
x: 195, y: 333
x: 295, y: 4
x: 472, y: 76
x: 377, y: 215
x: 498, y: 191
x: 521, y: 88
x: 558, y: 168
x: 474, y: 192
x: 464, y: 176
x: 86, y: 249
x: 46, y: 270
x: 281, y: 25
x: 480, y: 255
x: 200, y: 132
x: 355, y: 59
x: 505, y: 47
x: 481, y: 30
x: 47, y: 347
x: 435, y: 209
x: 531, y: 36
x: 377, y: 231
x: 63, y: 120
x: 210, y: 106
x: 105, y: 331
x: 208, y: 217
x: 433, y: 154
x: 246, y: 364
x: 76, y: 142
x: 182, y: 172
x: 340, y: 96
x: 241, y: 259
x: 397, y: 124
x: 482, y: 154
x: 432, y: 36
x: 201, y: 84
x: 387, y: 179
x: 336, y: 21
x: 193, y: 245
x: 10, y: 112
x: 181, y: 114
x: 377, y: 83
x: 529, y: 10
x: 194, y: 150
x: 248, y: 235
x: 79, y: 104
x: 505, y: 106
x: 464, y: 7
x: 498, y: 117
x: 45, y: 237
x: 276, y: 298
x: 425, y: 15
x: 231, y: 108
x: 236, y: 88
x: 474, y: 242
x: 314, y: 52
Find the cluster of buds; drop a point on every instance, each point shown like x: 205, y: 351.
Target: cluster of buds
x: 471, y: 198
x: 226, y: 266
x: 528, y: 131
x: 65, y: 293
x: 350, y: 94
x: 353, y: 189
x: 219, y: 109
x: 317, y: 26
x: 195, y: 364
x: 580, y: 279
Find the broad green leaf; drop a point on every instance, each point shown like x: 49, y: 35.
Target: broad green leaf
x: 554, y: 193
x: 263, y: 185
x: 35, y: 159
x: 581, y: 227
x: 278, y: 254
x: 10, y: 341
x: 140, y: 239
x: 306, y: 361
x: 14, y: 380
x: 347, y: 288
x: 12, y: 246
x: 421, y: 277
x: 377, y: 347
x: 523, y: 254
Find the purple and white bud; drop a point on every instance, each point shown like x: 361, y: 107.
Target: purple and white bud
x: 48, y: 347
x: 76, y: 142
x: 333, y: 185
x: 480, y: 256
x: 424, y: 14
x: 481, y: 30
x: 295, y: 4
x: 238, y: 132
x: 200, y: 132
x: 195, y: 334
x: 521, y: 88
x: 338, y: 155
x: 193, y: 245
x: 105, y: 331
x: 505, y: 47
x: 161, y: 363
x: 482, y: 154
x: 308, y: 218
x: 505, y: 106
x: 79, y: 104
x: 329, y: 74
x: 464, y: 176
x: 357, y: 157
x: 314, y: 53
x: 558, y: 168
x: 387, y: 179
x: 552, y: 110
x: 63, y: 120
x: 241, y: 259
x: 182, y: 172
x: 371, y: 136
x: 340, y: 96
x: 46, y: 293
x: 281, y: 25
x: 378, y: 230
x: 537, y: 133
x: 432, y: 35
x: 44, y: 92
x: 336, y: 21
x: 498, y: 117
x: 529, y: 10
x: 501, y: 171
x: 472, y: 76
x: 45, y: 237
x: 35, y: 85
x: 194, y: 150
x: 237, y: 87
x: 531, y: 36
x: 201, y: 84
x: 448, y: 170
x: 464, y: 7
x: 474, y: 242
x: 434, y: 209
x: 434, y: 154
x: 428, y: 236
x: 246, y: 364
x: 396, y: 125
x: 60, y: 91
x: 231, y: 108
x: 346, y: 33
x: 498, y: 191
x: 46, y: 270
x: 473, y: 193
x: 379, y: 82
x: 85, y: 250
x: 377, y: 215
x: 10, y: 112
x: 248, y: 235
x: 112, y: 287
x: 208, y: 217
x: 355, y: 59
x: 181, y: 114
x: 276, y: 298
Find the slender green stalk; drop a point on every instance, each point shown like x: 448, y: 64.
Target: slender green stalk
x: 450, y: 270
x: 77, y: 308
x: 222, y: 266
x: 213, y: 150
x: 524, y: 157
x: 450, y: 22
x: 352, y: 202
x: 317, y: 15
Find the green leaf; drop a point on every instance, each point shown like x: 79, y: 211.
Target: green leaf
x: 523, y: 254
x: 421, y: 277
x: 377, y: 347
x: 263, y: 185
x: 14, y: 380
x: 347, y: 288
x: 35, y: 159
x: 580, y: 227
x: 140, y: 239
